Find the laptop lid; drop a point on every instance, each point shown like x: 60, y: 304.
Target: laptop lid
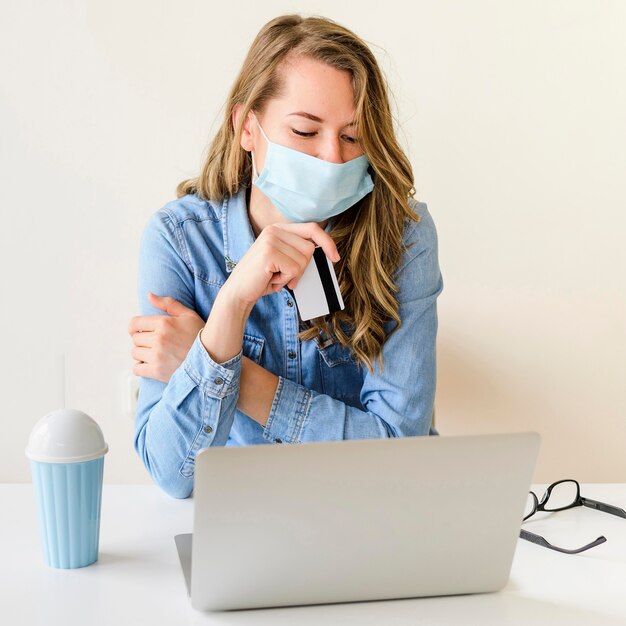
x: 354, y: 520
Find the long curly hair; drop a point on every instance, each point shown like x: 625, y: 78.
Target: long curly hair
x: 369, y: 235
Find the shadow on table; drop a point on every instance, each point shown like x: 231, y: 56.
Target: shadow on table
x: 480, y: 609
x: 111, y: 558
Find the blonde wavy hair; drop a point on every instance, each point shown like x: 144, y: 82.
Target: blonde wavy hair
x: 369, y: 235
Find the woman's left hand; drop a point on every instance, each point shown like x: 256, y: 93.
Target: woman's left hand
x: 163, y: 341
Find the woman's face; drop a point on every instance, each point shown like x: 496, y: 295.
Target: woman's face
x: 314, y: 115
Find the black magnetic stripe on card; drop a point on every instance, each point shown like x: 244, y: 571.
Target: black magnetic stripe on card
x: 327, y: 280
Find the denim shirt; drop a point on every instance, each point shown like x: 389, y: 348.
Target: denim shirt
x: 187, y: 251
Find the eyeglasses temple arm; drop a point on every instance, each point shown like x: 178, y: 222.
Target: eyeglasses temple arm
x: 539, y: 540
x: 601, y: 506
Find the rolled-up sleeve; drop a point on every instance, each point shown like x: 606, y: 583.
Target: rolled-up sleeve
x: 399, y: 399
x: 196, y: 408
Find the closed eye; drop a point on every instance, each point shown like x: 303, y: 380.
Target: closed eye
x: 303, y: 134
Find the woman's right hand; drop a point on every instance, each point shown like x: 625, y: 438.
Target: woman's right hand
x: 278, y: 257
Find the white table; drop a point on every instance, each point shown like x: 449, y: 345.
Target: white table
x: 138, y: 580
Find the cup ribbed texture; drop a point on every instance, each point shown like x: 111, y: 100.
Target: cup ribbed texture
x: 69, y: 497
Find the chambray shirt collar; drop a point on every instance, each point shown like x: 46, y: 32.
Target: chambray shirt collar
x: 238, y: 233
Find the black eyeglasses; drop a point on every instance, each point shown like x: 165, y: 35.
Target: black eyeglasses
x: 561, y: 495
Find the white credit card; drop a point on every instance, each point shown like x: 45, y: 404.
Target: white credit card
x: 317, y: 292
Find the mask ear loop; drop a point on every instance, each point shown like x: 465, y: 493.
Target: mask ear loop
x: 255, y: 173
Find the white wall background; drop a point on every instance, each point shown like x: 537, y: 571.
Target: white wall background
x: 512, y: 114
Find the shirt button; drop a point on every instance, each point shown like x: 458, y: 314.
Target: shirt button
x: 208, y: 429
x: 289, y: 302
x: 278, y: 440
x: 218, y: 381
x: 291, y: 354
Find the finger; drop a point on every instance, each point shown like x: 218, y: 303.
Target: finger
x: 141, y: 369
x: 142, y: 355
x: 281, y: 268
x: 293, y: 283
x: 305, y: 247
x: 141, y: 323
x: 144, y: 339
x: 312, y: 230
x: 146, y: 370
x: 280, y: 280
x: 168, y: 304
x: 299, y: 251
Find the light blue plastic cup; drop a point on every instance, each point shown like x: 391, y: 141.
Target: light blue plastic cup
x: 66, y: 451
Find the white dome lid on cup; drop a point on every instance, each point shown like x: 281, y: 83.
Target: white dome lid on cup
x: 66, y: 436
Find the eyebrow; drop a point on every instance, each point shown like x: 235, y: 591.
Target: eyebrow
x: 314, y: 118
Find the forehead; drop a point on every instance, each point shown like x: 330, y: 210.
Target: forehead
x: 317, y: 88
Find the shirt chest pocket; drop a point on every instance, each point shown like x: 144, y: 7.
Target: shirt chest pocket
x: 253, y: 347
x: 340, y: 374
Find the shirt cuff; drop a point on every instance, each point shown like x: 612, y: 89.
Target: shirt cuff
x: 289, y: 413
x: 215, y: 379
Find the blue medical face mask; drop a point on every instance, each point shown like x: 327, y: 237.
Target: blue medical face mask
x: 307, y: 189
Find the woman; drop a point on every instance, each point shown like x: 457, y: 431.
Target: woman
x: 306, y: 157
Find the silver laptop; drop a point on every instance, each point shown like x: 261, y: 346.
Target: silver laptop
x: 344, y: 521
